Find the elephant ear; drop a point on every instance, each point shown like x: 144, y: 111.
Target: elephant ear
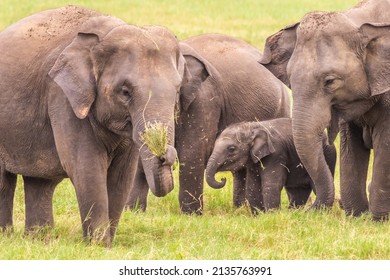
x: 183, y: 70
x: 262, y: 145
x: 73, y: 70
x: 277, y: 52
x: 377, y: 64
x: 198, y: 71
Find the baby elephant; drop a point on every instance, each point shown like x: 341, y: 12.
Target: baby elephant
x: 266, y: 149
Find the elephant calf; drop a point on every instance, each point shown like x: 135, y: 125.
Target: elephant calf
x: 267, y: 150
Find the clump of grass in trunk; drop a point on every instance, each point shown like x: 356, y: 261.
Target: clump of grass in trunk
x: 155, y: 138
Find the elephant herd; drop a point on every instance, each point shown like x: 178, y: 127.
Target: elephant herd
x: 79, y: 89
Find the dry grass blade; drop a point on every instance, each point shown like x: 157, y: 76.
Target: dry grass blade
x: 155, y: 138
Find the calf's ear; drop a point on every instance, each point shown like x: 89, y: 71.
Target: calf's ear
x: 261, y: 146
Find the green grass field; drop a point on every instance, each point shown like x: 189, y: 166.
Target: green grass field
x: 222, y: 232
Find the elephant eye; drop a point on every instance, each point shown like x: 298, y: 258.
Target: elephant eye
x: 126, y: 91
x: 231, y: 149
x: 331, y: 83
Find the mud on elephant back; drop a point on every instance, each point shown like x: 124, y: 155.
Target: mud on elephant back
x: 79, y: 90
x: 338, y: 64
x: 227, y: 85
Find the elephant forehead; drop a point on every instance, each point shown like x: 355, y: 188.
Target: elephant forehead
x: 325, y: 51
x: 324, y: 23
x: 235, y: 136
x: 157, y: 39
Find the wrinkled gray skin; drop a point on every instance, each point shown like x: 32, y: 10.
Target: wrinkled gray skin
x: 228, y: 85
x: 266, y: 150
x: 339, y: 64
x: 77, y: 89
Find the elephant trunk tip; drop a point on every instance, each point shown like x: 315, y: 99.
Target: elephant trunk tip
x: 170, y: 156
x: 215, y: 184
x: 158, y: 170
x: 212, y: 168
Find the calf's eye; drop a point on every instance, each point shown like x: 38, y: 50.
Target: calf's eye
x: 231, y: 149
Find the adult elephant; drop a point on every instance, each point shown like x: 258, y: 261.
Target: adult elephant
x: 339, y: 62
x: 77, y: 90
x: 227, y: 85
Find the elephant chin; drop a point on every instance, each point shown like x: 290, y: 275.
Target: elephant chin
x: 158, y: 172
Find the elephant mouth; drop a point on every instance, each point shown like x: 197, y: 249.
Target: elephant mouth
x: 231, y: 165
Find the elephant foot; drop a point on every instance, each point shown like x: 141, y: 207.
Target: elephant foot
x: 5, y: 224
x: 40, y: 233
x: 256, y: 211
x: 383, y: 217
x: 355, y: 212
x: 100, y: 236
x: 6, y: 228
x: 239, y: 202
x: 192, y: 209
x: 191, y: 204
x: 319, y: 205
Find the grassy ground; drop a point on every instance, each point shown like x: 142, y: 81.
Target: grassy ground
x: 222, y: 232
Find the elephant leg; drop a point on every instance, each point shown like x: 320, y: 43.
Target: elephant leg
x: 38, y: 194
x: 191, y: 177
x: 86, y: 163
x: 379, y: 188
x: 273, y: 178
x: 239, y: 185
x: 139, y: 191
x: 119, y: 181
x: 254, y: 193
x: 196, y: 132
x: 354, y: 159
x: 298, y: 196
x: 7, y: 193
x: 92, y: 199
x: 193, y: 157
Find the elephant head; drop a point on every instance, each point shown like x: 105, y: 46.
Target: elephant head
x: 237, y: 144
x: 332, y: 65
x: 124, y: 79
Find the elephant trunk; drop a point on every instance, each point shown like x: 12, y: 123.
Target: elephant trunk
x: 308, y: 129
x: 157, y: 167
x: 158, y: 170
x: 211, y: 170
